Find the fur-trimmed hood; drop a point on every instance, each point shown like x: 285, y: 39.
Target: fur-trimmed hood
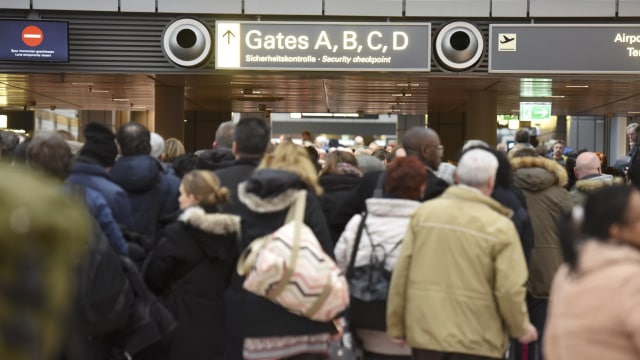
x: 217, y: 224
x: 269, y: 190
x: 594, y: 183
x: 537, y: 173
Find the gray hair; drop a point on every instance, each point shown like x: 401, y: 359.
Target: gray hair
x: 224, y: 135
x: 476, y: 168
x: 474, y: 143
x: 632, y: 126
x: 157, y: 145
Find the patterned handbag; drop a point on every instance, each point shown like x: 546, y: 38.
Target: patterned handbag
x: 290, y: 268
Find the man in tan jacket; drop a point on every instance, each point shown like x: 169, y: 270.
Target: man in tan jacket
x: 457, y: 290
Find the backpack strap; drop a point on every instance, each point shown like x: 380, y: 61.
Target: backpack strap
x: 298, y: 209
x: 356, y: 244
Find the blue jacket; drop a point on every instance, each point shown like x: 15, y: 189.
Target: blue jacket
x: 92, y: 175
x: 99, y: 209
x: 151, y: 191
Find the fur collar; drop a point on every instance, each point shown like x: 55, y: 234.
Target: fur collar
x: 592, y: 184
x: 270, y: 204
x: 551, y: 166
x: 218, y: 224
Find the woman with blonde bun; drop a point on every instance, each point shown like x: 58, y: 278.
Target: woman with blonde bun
x: 191, y: 268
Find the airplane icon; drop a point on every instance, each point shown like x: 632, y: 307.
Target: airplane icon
x: 506, y: 39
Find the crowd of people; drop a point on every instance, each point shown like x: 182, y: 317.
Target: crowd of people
x: 512, y: 253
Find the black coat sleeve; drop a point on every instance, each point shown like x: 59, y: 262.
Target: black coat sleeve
x: 314, y: 218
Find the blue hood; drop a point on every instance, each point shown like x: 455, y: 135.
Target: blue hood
x: 138, y: 173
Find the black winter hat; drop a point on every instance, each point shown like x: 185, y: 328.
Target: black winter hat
x: 99, y: 144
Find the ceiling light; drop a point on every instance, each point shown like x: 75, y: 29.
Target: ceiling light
x: 577, y: 86
x: 408, y: 84
x: 81, y: 83
x: 397, y: 103
x: 92, y: 90
x: 633, y: 112
x: 120, y: 99
x: 401, y: 94
x: 554, y: 96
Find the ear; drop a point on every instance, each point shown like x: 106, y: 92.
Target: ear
x: 614, y: 231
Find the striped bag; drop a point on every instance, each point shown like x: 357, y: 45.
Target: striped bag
x: 290, y: 268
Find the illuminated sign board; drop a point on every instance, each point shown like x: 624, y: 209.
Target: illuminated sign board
x: 24, y: 40
x: 535, y: 111
x: 564, y: 48
x: 262, y: 45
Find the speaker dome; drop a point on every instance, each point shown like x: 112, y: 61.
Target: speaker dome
x: 459, y: 45
x: 187, y: 42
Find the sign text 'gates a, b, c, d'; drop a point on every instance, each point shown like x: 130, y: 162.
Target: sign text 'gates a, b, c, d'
x: 323, y: 46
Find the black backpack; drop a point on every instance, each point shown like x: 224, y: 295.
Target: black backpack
x: 104, y: 297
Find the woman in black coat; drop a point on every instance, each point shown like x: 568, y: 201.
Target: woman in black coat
x: 191, y: 268
x: 338, y: 178
x: 262, y: 329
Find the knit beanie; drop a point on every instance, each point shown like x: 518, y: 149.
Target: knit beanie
x: 99, y: 144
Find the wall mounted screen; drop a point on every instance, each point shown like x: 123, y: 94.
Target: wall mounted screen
x: 24, y: 40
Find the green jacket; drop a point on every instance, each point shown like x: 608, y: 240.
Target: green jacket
x: 458, y: 285
x: 542, y: 181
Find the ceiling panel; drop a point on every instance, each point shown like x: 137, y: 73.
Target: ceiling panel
x: 415, y: 93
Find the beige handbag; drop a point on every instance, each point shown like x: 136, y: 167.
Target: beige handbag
x: 290, y: 268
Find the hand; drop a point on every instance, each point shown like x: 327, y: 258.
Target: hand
x: 339, y: 325
x: 530, y: 336
x: 399, y: 341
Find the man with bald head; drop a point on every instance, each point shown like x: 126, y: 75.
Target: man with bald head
x: 424, y: 143
x: 588, y: 171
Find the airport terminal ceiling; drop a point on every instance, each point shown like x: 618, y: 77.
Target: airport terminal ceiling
x: 368, y: 93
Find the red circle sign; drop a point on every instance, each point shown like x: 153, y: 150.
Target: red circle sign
x: 32, y: 35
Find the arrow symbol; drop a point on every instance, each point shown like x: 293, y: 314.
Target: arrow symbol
x: 542, y: 112
x: 228, y: 34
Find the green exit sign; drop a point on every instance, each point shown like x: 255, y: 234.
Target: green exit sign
x: 535, y: 111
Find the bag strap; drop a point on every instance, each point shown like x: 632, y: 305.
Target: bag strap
x: 379, y: 189
x: 298, y: 209
x: 373, y: 247
x: 356, y: 244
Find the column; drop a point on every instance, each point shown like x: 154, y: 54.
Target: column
x: 481, y: 117
x: 617, y: 138
x: 169, y: 112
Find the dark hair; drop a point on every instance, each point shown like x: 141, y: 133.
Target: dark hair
x: 382, y: 154
x: 184, y: 163
x: 134, y: 139
x: 313, y: 156
x: 604, y: 207
x: 252, y: 136
x: 50, y: 153
x: 633, y: 174
x: 8, y: 141
x: 405, y: 177
x: 522, y: 136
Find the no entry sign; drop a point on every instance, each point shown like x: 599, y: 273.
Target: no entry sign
x: 32, y: 35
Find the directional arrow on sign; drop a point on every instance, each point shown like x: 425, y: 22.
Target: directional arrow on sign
x: 228, y: 34
x: 541, y: 112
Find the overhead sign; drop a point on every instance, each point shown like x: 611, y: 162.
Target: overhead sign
x: 535, y: 111
x: 261, y: 45
x: 564, y: 48
x: 24, y: 40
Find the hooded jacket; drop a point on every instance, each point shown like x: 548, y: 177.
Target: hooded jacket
x: 87, y: 172
x: 266, y: 198
x: 189, y: 270
x: 542, y: 182
x: 593, y: 312
x: 458, y: 285
x: 151, y: 191
x: 587, y: 185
